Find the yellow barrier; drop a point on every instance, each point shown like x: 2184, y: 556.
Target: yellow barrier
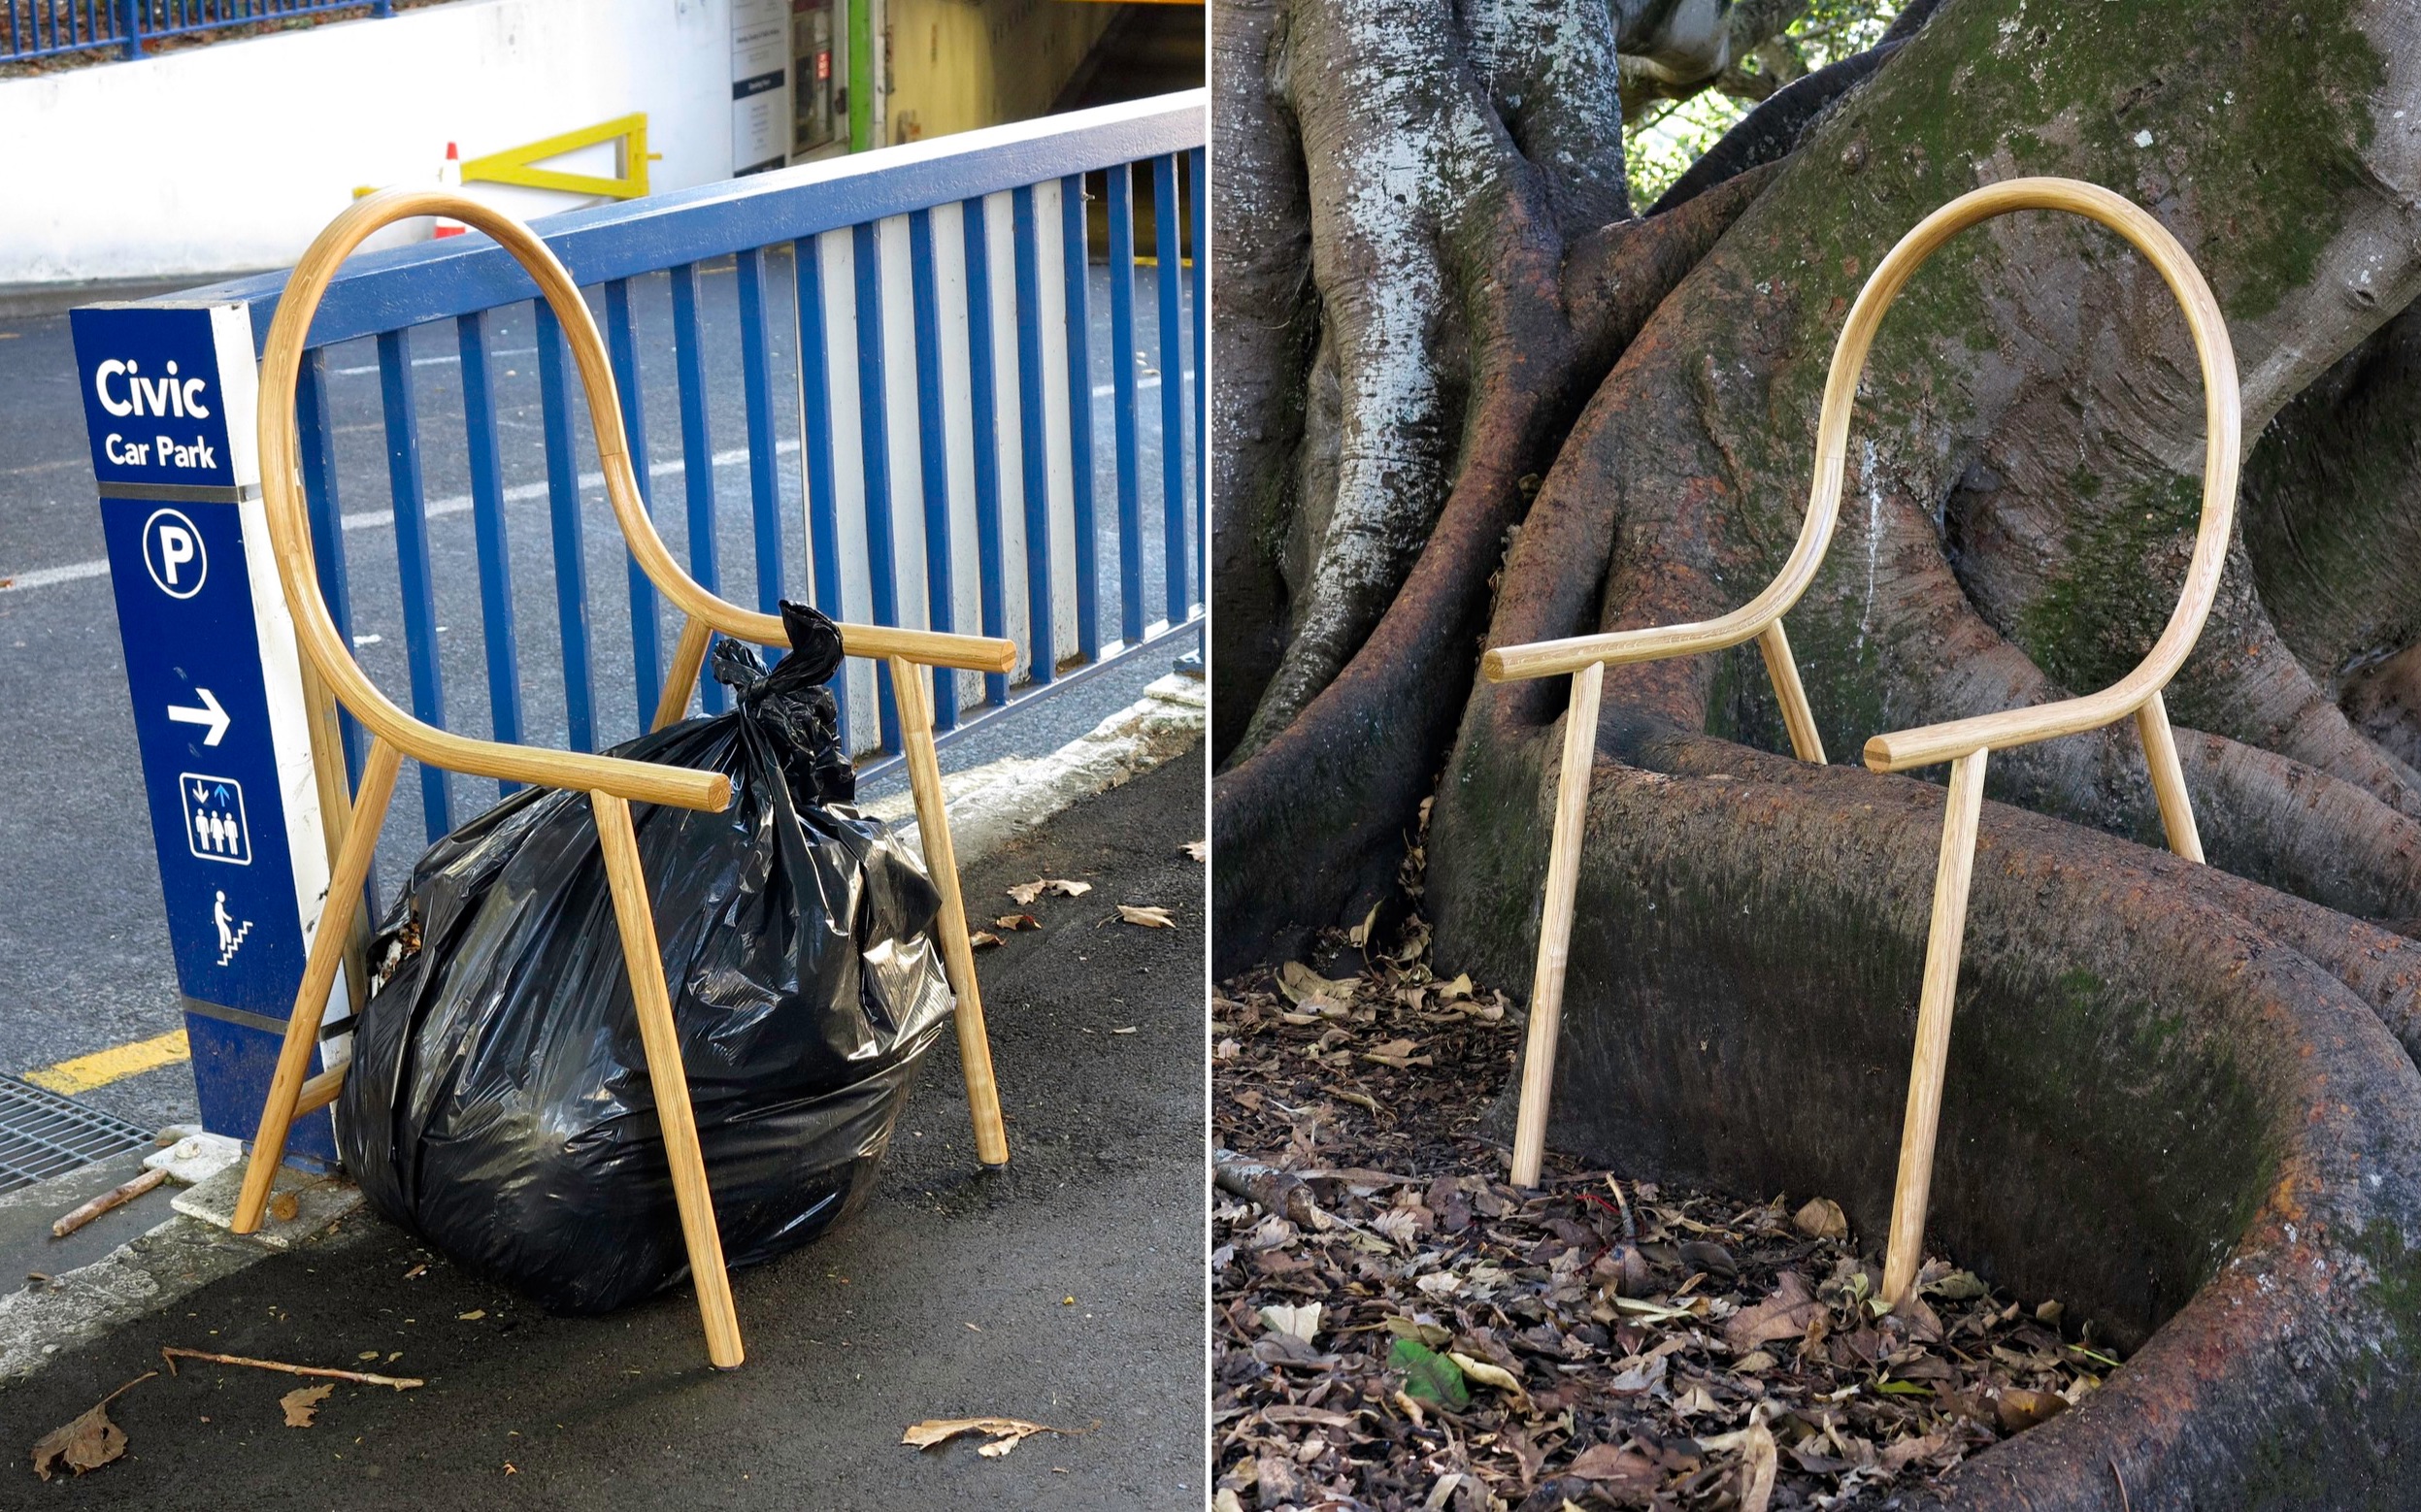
x: 518, y: 165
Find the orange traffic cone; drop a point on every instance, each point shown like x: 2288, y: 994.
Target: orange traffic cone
x: 449, y: 175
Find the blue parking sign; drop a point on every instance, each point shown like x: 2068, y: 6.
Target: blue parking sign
x: 212, y: 667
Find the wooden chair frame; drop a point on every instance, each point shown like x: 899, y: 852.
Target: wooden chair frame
x: 1966, y: 744
x: 614, y: 784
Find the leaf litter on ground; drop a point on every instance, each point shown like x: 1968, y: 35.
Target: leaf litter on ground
x: 1397, y: 1327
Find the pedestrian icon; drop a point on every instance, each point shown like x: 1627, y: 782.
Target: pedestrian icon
x: 214, y: 809
x: 174, y: 554
x: 231, y: 932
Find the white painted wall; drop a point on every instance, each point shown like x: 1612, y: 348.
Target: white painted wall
x: 230, y: 157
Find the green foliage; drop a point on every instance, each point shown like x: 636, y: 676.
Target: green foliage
x: 1429, y: 1376
x: 1661, y: 145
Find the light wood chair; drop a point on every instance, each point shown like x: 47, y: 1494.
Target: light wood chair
x: 331, y: 678
x: 1965, y: 743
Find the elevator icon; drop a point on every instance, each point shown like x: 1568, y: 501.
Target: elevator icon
x: 214, y: 809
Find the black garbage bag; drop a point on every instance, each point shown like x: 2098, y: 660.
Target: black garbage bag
x: 498, y: 1103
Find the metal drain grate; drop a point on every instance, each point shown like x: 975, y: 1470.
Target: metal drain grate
x: 42, y: 1135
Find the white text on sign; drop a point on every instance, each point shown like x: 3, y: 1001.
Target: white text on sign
x: 159, y: 451
x: 162, y: 397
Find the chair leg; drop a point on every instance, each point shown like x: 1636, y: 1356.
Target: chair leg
x: 1797, y: 717
x: 1563, y: 878
x: 2168, y: 778
x: 688, y: 656
x: 1915, y: 1187
x: 958, y: 957
x: 328, y: 945
x: 336, y: 805
x: 645, y: 959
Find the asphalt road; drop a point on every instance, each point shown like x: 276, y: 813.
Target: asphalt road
x: 84, y: 960
x: 1068, y: 1290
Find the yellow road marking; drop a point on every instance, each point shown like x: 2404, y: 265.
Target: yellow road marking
x: 103, y: 1067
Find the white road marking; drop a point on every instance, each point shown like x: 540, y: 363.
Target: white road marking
x: 436, y: 362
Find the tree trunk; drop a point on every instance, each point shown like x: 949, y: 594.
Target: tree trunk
x: 2021, y: 490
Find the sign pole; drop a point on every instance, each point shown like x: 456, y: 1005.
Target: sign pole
x: 170, y: 393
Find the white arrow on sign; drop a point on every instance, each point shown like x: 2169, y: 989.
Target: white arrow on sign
x: 210, y: 713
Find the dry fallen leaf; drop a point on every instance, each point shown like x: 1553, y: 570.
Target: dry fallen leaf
x: 1782, y: 1315
x: 1822, y: 1219
x: 2021, y: 1409
x: 1360, y: 934
x: 283, y: 1206
x: 473, y: 1316
x: 983, y: 940
x: 1129, y: 1030
x: 1299, y: 981
x: 1013, y: 922
x: 1758, y: 1463
x: 1484, y: 1373
x: 1003, y: 1433
x: 89, y: 1442
x: 1304, y: 1322
x: 1200, y: 850
x: 301, y: 1403
x: 1026, y: 892
x: 1151, y: 916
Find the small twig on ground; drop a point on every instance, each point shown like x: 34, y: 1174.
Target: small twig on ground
x: 124, y: 1191
x: 1360, y: 1099
x: 172, y: 1354
x: 1282, y: 1192
x: 1630, y: 1225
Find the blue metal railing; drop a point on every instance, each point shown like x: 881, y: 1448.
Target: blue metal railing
x: 42, y: 28
x: 936, y: 380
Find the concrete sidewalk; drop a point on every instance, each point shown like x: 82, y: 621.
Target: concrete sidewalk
x: 1068, y: 1290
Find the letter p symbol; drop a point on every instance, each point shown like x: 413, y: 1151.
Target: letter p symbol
x: 174, y: 554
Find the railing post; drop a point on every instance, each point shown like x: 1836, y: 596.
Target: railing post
x: 130, y: 29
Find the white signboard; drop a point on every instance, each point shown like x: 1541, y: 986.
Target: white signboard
x: 760, y: 85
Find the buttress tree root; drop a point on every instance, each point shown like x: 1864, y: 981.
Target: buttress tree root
x: 1507, y: 456
x: 1427, y: 260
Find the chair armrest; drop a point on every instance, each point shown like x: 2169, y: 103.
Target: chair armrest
x: 1617, y: 647
x: 933, y: 647
x: 975, y: 653
x: 1905, y: 749
x: 635, y: 781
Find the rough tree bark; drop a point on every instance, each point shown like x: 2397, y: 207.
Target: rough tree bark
x: 2021, y: 492
x: 1619, y: 434
x: 1426, y: 260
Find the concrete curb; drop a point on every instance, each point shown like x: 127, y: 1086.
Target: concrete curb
x: 135, y: 1278
x: 990, y: 806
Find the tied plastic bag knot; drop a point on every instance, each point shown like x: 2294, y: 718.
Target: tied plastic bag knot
x: 792, y: 702
x: 499, y: 1103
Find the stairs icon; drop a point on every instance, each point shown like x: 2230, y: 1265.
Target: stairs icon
x: 236, y: 944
